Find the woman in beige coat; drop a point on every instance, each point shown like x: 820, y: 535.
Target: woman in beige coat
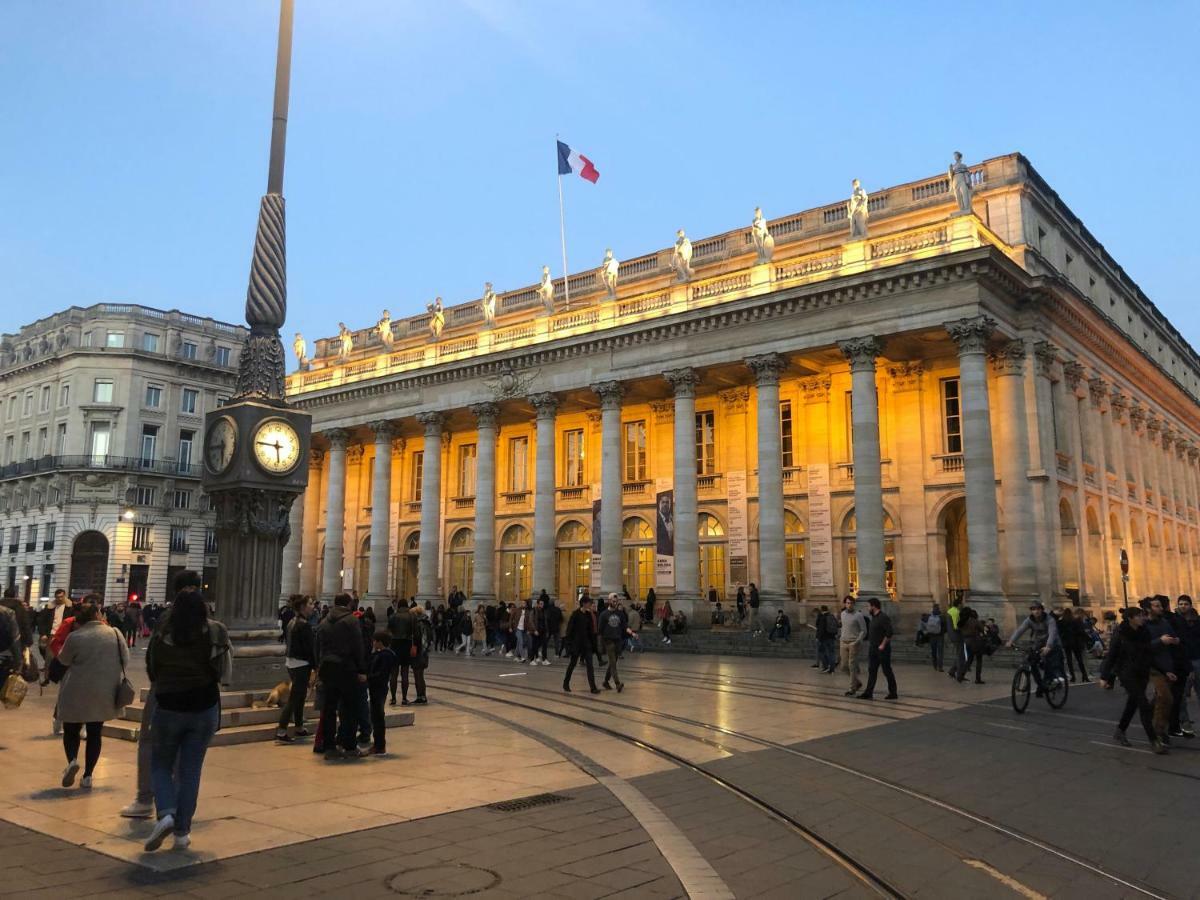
x: 95, y: 655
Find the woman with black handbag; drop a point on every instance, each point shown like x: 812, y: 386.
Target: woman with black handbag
x: 93, y: 689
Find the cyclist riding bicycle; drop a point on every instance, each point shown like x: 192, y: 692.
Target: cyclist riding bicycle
x: 1045, y: 642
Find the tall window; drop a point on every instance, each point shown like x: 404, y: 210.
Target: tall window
x: 142, y: 538
x: 144, y: 496
x: 518, y: 464
x: 43, y: 438
x: 188, y: 351
x: 635, y: 451
x: 60, y: 439
x: 179, y: 539
x: 186, y: 439
x: 706, y: 443
x: 952, y: 415
x: 102, y: 391
x: 222, y: 356
x: 150, y: 342
x: 27, y: 409
x: 12, y: 407
x: 9, y: 450
x: 418, y: 468
x: 785, y: 434
x: 573, y: 458
x: 25, y: 445
x: 188, y: 401
x: 153, y: 396
x: 114, y: 339
x: 101, y: 434
x: 182, y: 499
x: 64, y: 394
x: 466, y: 470
x: 44, y: 404
x: 51, y: 532
x: 149, y: 444
x: 31, y: 532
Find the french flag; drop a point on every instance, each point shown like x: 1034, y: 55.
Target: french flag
x: 573, y: 161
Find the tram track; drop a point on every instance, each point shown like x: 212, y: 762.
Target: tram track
x: 863, y: 873
x: 655, y: 721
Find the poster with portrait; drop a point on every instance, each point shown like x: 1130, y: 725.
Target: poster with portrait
x: 664, y: 534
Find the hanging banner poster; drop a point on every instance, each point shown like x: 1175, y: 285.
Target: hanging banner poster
x: 738, y: 531
x: 664, y: 534
x: 594, y: 585
x: 820, y: 528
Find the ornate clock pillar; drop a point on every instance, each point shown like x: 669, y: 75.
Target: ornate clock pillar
x: 256, y: 446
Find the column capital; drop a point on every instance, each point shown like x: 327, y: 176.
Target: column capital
x: 861, y: 352
x: 1074, y: 374
x: 683, y: 381
x: 315, y: 458
x: 337, y: 438
x: 1046, y: 355
x: 432, y: 421
x: 1193, y: 452
x: 610, y: 394
x: 485, y: 413
x: 1154, y: 424
x: 766, y: 367
x: 971, y: 334
x: 594, y: 418
x: 1120, y: 405
x: 906, y: 376
x: 354, y: 452
x: 545, y: 403
x: 815, y: 388
x: 735, y: 400
x: 1009, y: 358
x: 384, y: 429
x: 1098, y: 389
x: 398, y: 445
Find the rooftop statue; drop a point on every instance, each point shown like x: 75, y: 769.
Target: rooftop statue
x: 384, y: 327
x: 437, y: 319
x: 488, y: 305
x: 300, y: 348
x: 681, y: 259
x: 609, y: 269
x: 546, y: 290
x: 763, y: 242
x: 960, y: 183
x: 345, y: 341
x: 857, y: 211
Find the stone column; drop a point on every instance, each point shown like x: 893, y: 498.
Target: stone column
x: 293, y: 550
x: 1020, y: 536
x: 1044, y: 462
x: 335, y: 515
x: 868, y: 480
x: 1070, y: 392
x: 381, y: 516
x: 979, y: 468
x: 1163, y: 582
x: 1114, y: 496
x: 428, y: 587
x: 312, y: 514
x: 772, y: 565
x: 687, y: 540
x: 610, y: 393
x: 907, y: 399
x: 1192, y: 483
x: 484, y: 587
x: 546, y: 405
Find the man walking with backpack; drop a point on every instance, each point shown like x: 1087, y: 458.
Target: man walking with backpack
x: 826, y: 628
x: 934, y: 629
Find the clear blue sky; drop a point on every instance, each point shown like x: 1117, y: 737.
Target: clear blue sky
x: 134, y: 133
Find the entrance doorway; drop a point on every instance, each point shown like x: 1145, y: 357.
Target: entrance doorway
x: 89, y: 564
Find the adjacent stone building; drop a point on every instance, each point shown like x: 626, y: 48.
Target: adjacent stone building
x: 101, y: 411
x: 974, y: 399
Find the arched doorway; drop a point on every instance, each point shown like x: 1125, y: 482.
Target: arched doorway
x: 954, y: 535
x: 712, y: 554
x: 406, y: 567
x: 850, y: 543
x: 89, y: 564
x: 793, y: 549
x: 574, y: 552
x: 362, y: 566
x: 462, y: 560
x: 637, y: 556
x: 516, y: 564
x: 1068, y: 554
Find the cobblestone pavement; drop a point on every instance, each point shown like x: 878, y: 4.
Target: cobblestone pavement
x: 913, y: 789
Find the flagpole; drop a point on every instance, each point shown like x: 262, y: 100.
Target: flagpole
x: 562, y: 233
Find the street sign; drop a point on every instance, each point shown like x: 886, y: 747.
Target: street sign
x: 1124, y: 562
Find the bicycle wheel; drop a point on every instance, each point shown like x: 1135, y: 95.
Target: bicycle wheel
x: 1020, y: 690
x: 1056, y: 692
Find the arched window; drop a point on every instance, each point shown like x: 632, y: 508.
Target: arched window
x: 712, y: 554
x: 637, y: 557
x: 412, y: 545
x: 792, y: 526
x: 850, y: 527
x: 462, y: 560
x: 463, y: 539
x: 574, y: 560
x: 636, y: 529
x: 793, y: 532
x: 516, y: 564
x: 574, y: 533
x: 516, y: 536
x: 709, y: 526
x: 851, y: 523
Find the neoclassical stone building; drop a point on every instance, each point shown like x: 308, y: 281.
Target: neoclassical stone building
x: 976, y: 402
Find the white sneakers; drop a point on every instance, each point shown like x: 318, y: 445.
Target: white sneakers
x: 86, y: 782
x: 182, y: 842
x: 69, y: 773
x: 136, y: 810
x: 162, y: 828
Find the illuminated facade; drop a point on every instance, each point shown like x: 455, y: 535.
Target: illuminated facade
x: 979, y: 403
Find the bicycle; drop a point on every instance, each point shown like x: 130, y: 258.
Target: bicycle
x: 1053, y: 689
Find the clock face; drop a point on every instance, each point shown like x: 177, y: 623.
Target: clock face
x: 220, y: 444
x: 276, y: 447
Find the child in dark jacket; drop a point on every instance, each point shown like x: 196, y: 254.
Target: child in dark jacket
x: 379, y: 668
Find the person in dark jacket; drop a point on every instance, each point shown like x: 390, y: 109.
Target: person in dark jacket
x: 379, y: 669
x: 879, y: 651
x: 1163, y: 642
x: 1074, y: 638
x: 23, y: 620
x: 971, y: 631
x: 342, y: 668
x: 1187, y: 626
x: 554, y: 621
x: 1130, y: 657
x: 301, y: 663
x: 614, y: 626
x: 580, y: 641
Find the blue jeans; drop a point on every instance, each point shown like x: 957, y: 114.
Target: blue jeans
x: 827, y: 652
x: 180, y: 740
x: 522, y: 644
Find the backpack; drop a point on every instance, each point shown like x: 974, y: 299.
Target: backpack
x: 933, y: 625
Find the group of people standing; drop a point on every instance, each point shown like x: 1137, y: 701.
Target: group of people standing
x: 842, y: 639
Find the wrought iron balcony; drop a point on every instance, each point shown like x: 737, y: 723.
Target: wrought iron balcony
x: 100, y: 462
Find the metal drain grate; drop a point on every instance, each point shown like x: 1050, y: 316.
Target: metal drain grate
x: 527, y: 802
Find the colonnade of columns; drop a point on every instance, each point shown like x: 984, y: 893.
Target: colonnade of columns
x: 1150, y: 451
